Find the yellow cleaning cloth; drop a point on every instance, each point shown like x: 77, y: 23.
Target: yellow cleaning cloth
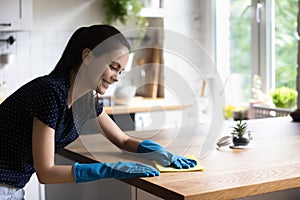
x: 198, y: 167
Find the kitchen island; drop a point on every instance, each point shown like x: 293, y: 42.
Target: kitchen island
x: 272, y: 164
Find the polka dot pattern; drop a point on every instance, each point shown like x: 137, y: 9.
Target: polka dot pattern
x: 45, y: 98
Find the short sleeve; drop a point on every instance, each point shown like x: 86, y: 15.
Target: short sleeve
x: 45, y: 106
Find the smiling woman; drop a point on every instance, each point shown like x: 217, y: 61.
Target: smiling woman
x: 55, y: 109
x: 110, y: 75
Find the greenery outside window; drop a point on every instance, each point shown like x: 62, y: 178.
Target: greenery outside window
x: 260, y: 36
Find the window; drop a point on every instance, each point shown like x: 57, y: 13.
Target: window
x: 256, y: 37
x: 286, y: 43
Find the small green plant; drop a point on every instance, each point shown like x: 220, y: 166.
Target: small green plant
x: 123, y: 10
x: 240, y: 129
x: 284, y: 97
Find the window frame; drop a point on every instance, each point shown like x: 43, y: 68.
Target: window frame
x: 263, y: 47
x: 262, y: 37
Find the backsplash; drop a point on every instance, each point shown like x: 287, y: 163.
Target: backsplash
x: 35, y: 53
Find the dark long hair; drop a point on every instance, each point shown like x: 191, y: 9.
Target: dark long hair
x: 88, y: 37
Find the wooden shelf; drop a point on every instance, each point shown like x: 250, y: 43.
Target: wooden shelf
x: 124, y: 109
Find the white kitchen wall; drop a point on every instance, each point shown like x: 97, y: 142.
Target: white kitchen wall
x: 193, y: 20
x: 37, y: 51
x: 66, y: 14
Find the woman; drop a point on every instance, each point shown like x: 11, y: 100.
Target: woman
x: 47, y: 114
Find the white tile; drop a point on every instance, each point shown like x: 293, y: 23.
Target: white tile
x: 23, y: 38
x: 10, y: 70
x: 63, y: 37
x: 51, y: 38
x: 37, y: 38
x: 23, y: 50
x: 49, y: 65
x: 37, y: 67
x: 51, y: 52
x: 37, y: 51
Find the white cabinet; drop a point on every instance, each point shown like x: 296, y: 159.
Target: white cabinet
x: 142, y: 195
x: 104, y: 189
x: 157, y: 120
x: 15, y: 15
x: 34, y: 190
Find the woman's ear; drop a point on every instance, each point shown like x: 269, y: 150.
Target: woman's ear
x: 86, y: 56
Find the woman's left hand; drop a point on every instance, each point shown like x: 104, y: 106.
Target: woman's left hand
x: 156, y: 152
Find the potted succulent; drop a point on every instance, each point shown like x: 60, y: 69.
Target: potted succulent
x: 239, y: 134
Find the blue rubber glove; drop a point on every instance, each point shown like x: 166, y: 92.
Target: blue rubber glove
x: 156, y: 152
x: 118, y: 170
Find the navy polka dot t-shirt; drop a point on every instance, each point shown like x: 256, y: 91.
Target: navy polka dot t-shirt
x: 45, y: 98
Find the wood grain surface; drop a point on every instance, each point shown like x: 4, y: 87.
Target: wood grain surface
x: 272, y: 164
x: 124, y: 109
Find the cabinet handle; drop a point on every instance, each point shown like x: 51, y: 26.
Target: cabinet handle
x: 5, y: 24
x: 9, y: 40
x: 142, y: 123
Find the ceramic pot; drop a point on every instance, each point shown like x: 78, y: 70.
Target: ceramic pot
x: 240, y: 141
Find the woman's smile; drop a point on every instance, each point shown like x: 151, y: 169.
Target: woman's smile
x: 105, y: 83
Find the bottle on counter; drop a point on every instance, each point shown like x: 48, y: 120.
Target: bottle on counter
x: 2, y: 91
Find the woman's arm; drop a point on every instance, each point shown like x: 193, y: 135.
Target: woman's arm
x: 43, y: 151
x: 116, y: 135
x: 150, y: 149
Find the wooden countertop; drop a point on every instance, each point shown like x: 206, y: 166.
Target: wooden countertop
x: 143, y: 105
x: 272, y: 164
x: 121, y: 109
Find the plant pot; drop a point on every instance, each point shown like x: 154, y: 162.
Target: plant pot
x: 240, y: 141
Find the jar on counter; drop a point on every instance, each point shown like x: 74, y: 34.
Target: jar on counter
x: 2, y: 91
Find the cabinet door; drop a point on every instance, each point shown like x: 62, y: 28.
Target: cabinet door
x: 142, y: 195
x: 104, y: 189
x: 15, y: 15
x: 157, y: 119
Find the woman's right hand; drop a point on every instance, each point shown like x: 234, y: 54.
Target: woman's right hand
x: 118, y: 170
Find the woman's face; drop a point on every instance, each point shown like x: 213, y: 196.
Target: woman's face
x: 112, y: 70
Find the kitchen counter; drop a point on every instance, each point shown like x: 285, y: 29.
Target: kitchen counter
x: 272, y: 164
x: 124, y: 109
x: 140, y: 104
x: 124, y: 115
